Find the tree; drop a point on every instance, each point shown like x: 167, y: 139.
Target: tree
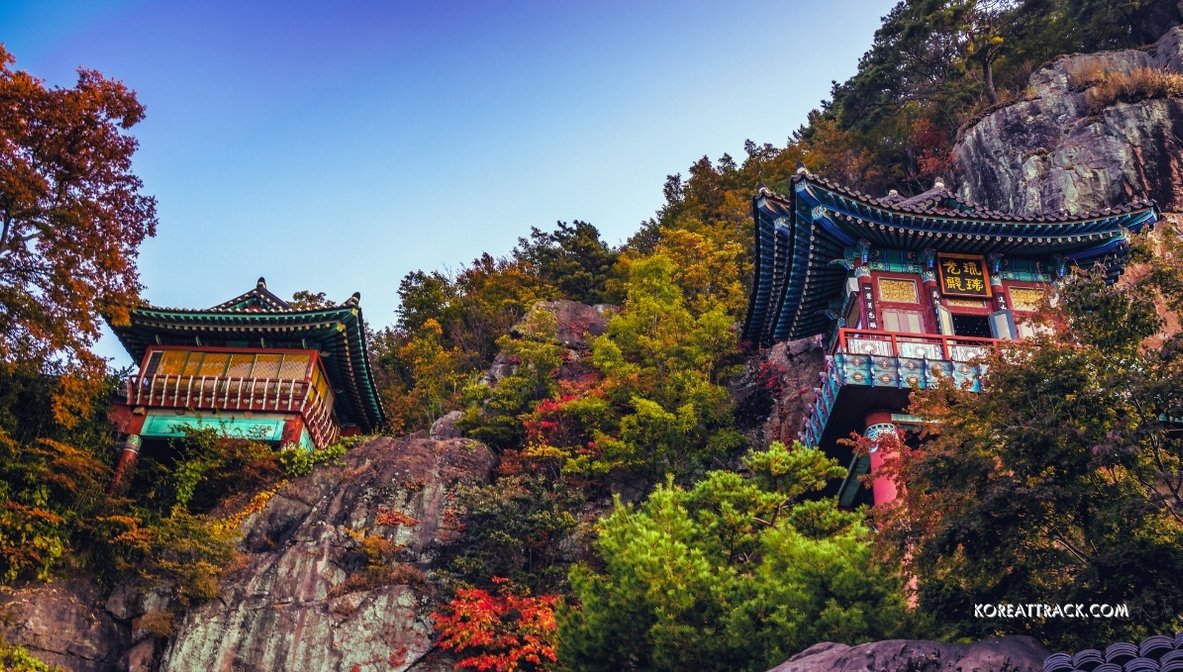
x: 660, y: 407
x: 1062, y: 482
x: 572, y: 258
x: 306, y: 299
x: 502, y: 631
x: 733, y: 574
x: 72, y: 215
x: 52, y: 478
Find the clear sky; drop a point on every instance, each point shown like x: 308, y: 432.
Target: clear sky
x: 336, y: 146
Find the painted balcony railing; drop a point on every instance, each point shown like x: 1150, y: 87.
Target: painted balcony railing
x: 237, y: 394
x: 914, y: 346
x: 894, y: 360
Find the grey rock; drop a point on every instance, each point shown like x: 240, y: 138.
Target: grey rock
x: 64, y: 624
x: 779, y: 388
x: 291, y: 608
x: 445, y: 426
x: 1004, y: 654
x: 1047, y: 153
x: 575, y: 325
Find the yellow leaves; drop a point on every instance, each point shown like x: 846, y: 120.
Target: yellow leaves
x: 709, y: 269
x: 543, y: 451
x: 232, y: 522
x: 75, y: 396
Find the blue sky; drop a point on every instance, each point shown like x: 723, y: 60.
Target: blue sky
x: 337, y: 146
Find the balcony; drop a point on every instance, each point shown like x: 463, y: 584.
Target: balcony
x: 237, y: 395
x: 912, y: 346
x: 895, y: 363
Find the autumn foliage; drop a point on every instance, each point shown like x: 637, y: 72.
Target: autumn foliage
x: 499, y: 631
x: 71, y: 215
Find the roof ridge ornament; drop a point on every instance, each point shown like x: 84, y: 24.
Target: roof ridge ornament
x: 261, y: 283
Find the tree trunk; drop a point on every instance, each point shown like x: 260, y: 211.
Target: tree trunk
x: 988, y: 77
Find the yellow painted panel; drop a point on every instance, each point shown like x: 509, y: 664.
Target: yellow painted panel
x: 267, y: 366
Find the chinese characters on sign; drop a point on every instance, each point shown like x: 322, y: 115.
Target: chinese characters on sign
x: 869, y: 307
x: 963, y: 275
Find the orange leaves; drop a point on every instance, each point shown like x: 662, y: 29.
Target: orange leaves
x: 500, y: 631
x: 394, y: 518
x: 933, y: 147
x: 71, y: 217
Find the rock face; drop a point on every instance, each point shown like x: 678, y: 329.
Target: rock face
x: 63, y: 624
x: 1005, y: 654
x: 1049, y: 152
x: 778, y: 390
x: 445, y: 426
x: 575, y: 325
x: 298, y: 603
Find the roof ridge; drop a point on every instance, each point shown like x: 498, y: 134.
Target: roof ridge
x: 974, y: 212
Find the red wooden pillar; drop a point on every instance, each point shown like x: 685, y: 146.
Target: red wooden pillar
x: 879, y: 425
x: 862, y: 274
x: 127, y: 461
x: 293, y: 427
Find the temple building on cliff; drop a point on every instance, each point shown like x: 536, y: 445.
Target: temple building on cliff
x: 905, y: 290
x: 251, y: 367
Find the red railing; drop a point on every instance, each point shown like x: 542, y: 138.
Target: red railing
x: 238, y: 394
x: 919, y: 346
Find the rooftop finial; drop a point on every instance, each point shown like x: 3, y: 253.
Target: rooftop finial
x: 939, y: 183
x: 354, y: 299
x: 262, y: 283
x: 801, y: 167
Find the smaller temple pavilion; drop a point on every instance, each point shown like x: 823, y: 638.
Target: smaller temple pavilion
x: 905, y: 291
x: 251, y: 367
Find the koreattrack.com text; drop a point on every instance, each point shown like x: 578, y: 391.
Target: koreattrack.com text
x: 1051, y: 611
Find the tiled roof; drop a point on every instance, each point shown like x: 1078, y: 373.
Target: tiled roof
x: 1158, y: 653
x: 936, y: 201
x: 260, y: 319
x: 799, y: 238
x: 256, y: 299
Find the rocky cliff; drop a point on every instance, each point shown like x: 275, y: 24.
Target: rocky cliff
x: 777, y: 390
x: 311, y: 594
x: 333, y: 574
x: 1093, y: 131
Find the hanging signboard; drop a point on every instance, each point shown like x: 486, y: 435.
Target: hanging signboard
x: 963, y: 275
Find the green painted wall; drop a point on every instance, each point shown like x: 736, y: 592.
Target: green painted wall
x: 169, y: 425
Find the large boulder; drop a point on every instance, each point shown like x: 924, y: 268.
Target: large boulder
x: 308, y: 597
x: 1054, y: 151
x: 1005, y: 654
x: 64, y: 624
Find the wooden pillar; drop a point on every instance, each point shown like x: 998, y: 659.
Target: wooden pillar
x: 1002, y: 321
x: 862, y: 273
x: 928, y: 276
x: 293, y: 427
x: 127, y: 461
x: 879, y: 425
